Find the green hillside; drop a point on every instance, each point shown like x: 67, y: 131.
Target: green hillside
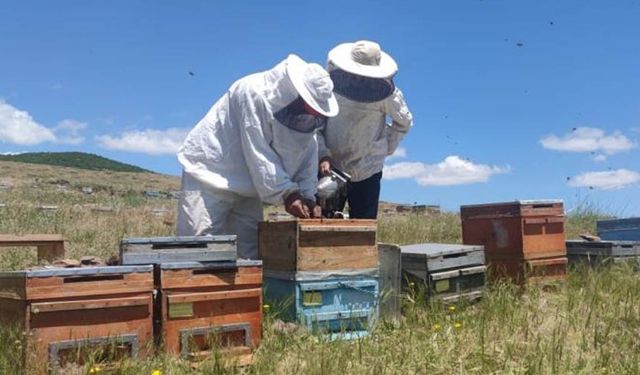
x: 80, y: 160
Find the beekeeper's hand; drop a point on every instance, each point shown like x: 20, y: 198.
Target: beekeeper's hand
x: 325, y: 166
x: 294, y: 205
x: 314, y: 209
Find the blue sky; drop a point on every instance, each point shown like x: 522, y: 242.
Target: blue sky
x: 511, y: 99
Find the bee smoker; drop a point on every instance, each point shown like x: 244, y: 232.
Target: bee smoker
x: 332, y: 191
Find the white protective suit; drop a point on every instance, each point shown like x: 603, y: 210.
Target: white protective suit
x: 359, y: 139
x: 239, y: 156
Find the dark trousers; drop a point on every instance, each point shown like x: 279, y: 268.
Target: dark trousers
x: 363, y: 198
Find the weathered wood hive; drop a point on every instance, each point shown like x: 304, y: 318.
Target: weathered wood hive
x: 68, y: 309
x: 207, y: 299
x: 213, y: 304
x: 447, y: 271
x: 329, y: 267
x: 523, y: 240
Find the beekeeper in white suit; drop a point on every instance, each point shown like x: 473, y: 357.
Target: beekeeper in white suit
x: 256, y: 144
x: 358, y: 139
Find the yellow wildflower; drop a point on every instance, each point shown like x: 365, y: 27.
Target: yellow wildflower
x: 457, y: 325
x: 437, y: 327
x: 265, y: 306
x: 95, y: 370
x: 452, y: 308
x: 156, y: 372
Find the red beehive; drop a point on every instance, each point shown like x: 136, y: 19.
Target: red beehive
x: 516, y: 235
x: 65, y: 310
x: 210, y: 301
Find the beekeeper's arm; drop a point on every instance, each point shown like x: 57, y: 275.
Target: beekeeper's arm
x: 401, y: 120
x: 271, y: 181
x: 307, y: 177
x: 324, y: 154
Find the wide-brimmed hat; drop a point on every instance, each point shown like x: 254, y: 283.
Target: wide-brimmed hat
x: 313, y: 84
x: 363, y: 58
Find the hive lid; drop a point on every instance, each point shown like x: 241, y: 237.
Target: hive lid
x: 515, y: 202
x: 78, y: 271
x: 437, y: 249
x: 179, y: 240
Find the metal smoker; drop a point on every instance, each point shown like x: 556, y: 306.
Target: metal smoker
x: 331, y: 193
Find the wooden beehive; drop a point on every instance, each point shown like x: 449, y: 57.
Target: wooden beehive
x: 202, y: 305
x: 515, y: 230
x: 448, y: 271
x: 601, y: 252
x: 337, y: 307
x: 67, y: 309
x: 318, y: 245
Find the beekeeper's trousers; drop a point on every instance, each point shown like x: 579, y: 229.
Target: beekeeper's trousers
x: 203, y: 211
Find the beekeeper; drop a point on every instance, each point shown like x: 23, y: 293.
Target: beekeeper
x: 256, y: 144
x: 358, y: 139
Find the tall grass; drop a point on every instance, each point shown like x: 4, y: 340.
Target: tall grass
x: 590, y: 324
x: 414, y: 228
x: 583, y: 218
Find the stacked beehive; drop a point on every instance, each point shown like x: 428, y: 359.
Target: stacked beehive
x: 206, y: 298
x: 523, y: 240
x: 69, y: 311
x: 447, y: 272
x: 324, y: 272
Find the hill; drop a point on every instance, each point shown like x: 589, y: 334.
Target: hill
x: 37, y: 181
x: 79, y: 160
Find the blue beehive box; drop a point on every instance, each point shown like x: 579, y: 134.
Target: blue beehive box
x: 342, y: 307
x: 619, y: 229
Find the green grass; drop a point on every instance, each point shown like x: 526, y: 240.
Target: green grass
x: 590, y: 324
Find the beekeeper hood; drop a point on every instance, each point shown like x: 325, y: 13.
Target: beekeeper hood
x: 361, y: 71
x: 313, y: 84
x: 359, y: 138
x: 363, y: 58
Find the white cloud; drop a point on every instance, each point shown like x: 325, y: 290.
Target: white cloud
x: 600, y: 158
x: 70, y: 131
x: 18, y: 127
x: 399, y: 153
x: 451, y: 171
x: 586, y: 139
x: 12, y: 153
x: 607, y: 180
x: 148, y: 141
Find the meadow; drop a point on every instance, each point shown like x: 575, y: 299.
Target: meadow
x: 588, y: 325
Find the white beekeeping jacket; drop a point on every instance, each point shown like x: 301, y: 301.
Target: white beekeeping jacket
x: 240, y: 147
x: 358, y: 139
